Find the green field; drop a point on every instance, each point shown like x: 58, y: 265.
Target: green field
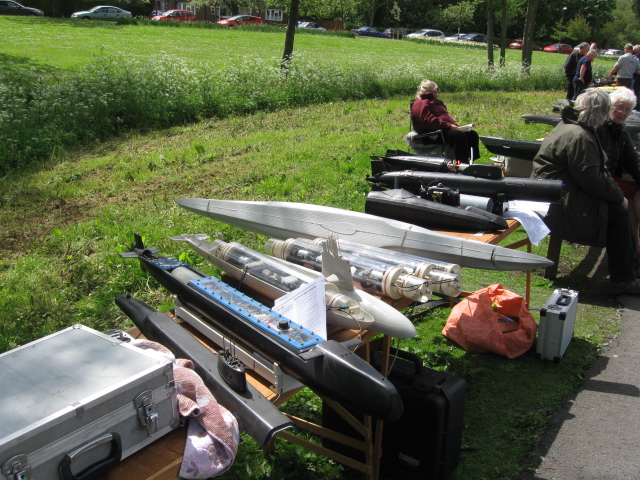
x: 65, y: 43
x: 65, y: 218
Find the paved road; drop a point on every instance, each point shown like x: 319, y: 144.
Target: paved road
x: 596, y: 435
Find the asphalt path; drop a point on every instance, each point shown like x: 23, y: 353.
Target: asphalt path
x: 596, y: 435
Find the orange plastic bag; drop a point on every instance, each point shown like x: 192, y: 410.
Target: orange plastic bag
x: 508, y: 329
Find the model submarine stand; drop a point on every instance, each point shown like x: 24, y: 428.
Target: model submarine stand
x: 305, y: 356
x: 164, y: 329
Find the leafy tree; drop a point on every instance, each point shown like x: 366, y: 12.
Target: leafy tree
x: 578, y: 29
x: 622, y: 27
x: 459, y: 15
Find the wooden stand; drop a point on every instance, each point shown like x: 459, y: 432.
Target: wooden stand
x: 161, y: 460
x: 495, y: 238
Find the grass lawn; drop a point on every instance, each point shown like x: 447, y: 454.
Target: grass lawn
x: 67, y: 43
x: 64, y: 222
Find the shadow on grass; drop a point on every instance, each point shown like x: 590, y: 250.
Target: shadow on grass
x: 15, y: 63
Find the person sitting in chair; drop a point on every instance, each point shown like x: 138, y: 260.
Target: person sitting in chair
x: 429, y: 114
x: 622, y: 157
x: 594, y: 210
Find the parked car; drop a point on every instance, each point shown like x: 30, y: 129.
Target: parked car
x: 311, y: 26
x: 176, y: 15
x: 368, y: 32
x: 474, y: 37
x: 559, y: 48
x: 612, y: 52
x: 426, y: 33
x: 455, y: 36
x: 240, y: 20
x: 7, y: 7
x: 102, y: 12
x: 155, y: 13
x: 396, y: 32
x: 517, y: 44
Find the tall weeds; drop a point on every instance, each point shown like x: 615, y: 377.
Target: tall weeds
x: 41, y: 111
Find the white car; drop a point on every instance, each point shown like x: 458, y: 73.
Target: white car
x: 102, y: 12
x: 426, y: 33
x: 612, y: 52
x: 455, y: 36
x: 311, y: 26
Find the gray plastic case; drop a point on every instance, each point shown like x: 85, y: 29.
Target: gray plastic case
x: 557, y: 322
x: 76, y: 402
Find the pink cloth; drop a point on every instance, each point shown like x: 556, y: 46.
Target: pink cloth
x: 212, y: 441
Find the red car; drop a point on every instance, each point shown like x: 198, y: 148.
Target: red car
x: 559, y: 48
x: 517, y: 44
x: 176, y: 15
x: 240, y: 20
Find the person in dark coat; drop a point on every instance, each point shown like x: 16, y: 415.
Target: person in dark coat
x: 429, y: 114
x: 622, y: 157
x: 570, y: 66
x: 584, y: 73
x: 594, y: 210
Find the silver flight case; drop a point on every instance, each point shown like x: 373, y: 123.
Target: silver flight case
x: 76, y: 402
x: 557, y: 321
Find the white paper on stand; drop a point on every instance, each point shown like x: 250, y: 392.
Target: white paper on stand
x: 528, y: 214
x: 306, y: 306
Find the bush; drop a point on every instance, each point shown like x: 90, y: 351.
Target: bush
x: 42, y: 111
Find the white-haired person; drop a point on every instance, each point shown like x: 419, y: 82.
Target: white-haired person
x: 429, y: 114
x: 622, y: 158
x: 594, y: 210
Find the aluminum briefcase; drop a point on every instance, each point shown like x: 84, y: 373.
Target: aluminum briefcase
x: 77, y: 402
x: 557, y: 321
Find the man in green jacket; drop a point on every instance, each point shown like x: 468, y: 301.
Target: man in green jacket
x: 594, y: 210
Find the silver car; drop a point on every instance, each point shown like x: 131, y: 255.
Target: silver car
x: 102, y: 12
x: 426, y: 33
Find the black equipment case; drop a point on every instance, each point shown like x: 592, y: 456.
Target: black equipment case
x: 424, y: 444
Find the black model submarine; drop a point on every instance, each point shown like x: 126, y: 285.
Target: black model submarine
x: 501, y: 189
x: 327, y: 367
x: 255, y: 414
x: 402, y: 205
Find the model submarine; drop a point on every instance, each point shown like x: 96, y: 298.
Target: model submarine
x: 289, y: 220
x: 501, y: 189
x: 375, y: 270
x: 255, y: 414
x: 399, y: 204
x: 442, y: 277
x: 327, y: 367
x: 632, y: 125
x: 398, y: 160
x: 346, y: 307
x: 523, y: 149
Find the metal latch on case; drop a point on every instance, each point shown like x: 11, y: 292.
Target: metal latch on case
x: 17, y: 468
x: 147, y: 412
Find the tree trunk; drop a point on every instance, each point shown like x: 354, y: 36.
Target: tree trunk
x: 503, y: 33
x: 527, y: 38
x: 291, y: 32
x: 490, y: 34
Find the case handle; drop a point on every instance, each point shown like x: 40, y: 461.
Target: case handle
x: 99, y: 467
x: 412, y: 357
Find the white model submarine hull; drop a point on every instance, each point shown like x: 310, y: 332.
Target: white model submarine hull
x: 369, y: 312
x: 288, y: 219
